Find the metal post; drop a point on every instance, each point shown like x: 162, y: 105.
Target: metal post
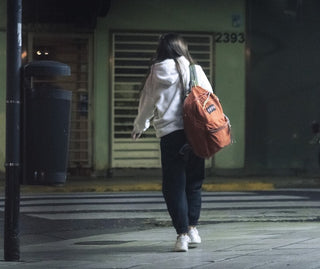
x: 13, y: 131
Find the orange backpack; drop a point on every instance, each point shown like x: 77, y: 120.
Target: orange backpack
x: 207, y: 128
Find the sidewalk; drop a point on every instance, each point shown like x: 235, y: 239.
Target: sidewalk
x: 115, y: 184
x: 233, y: 243
x: 225, y: 246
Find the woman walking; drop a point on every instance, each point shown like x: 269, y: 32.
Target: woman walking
x: 161, y: 103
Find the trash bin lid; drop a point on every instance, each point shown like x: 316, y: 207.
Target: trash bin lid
x: 46, y: 68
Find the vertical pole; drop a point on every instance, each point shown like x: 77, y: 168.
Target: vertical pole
x: 13, y: 129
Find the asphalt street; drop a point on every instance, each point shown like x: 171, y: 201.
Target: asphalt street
x: 252, y: 229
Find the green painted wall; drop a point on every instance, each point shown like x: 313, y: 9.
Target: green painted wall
x: 230, y: 87
x: 3, y: 18
x: 101, y: 97
x: 176, y: 15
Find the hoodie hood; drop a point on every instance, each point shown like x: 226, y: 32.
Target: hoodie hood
x: 166, y: 73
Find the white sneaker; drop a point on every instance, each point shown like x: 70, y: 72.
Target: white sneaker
x: 194, y: 236
x: 182, y: 243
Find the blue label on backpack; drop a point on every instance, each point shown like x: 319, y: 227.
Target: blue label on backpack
x: 211, y: 108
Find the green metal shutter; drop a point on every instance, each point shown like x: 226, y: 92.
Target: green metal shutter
x: 132, y: 53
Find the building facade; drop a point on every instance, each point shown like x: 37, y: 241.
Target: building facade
x: 109, y: 59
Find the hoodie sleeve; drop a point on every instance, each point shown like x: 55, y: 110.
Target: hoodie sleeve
x: 202, y: 79
x: 145, y: 110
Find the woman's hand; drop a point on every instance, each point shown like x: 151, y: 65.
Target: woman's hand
x: 135, y: 135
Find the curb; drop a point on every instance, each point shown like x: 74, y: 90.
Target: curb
x: 241, y: 186
x: 217, y: 184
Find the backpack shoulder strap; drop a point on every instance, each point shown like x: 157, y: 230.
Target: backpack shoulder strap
x: 193, y: 76
x: 193, y: 79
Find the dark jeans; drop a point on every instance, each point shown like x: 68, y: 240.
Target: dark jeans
x: 183, y: 175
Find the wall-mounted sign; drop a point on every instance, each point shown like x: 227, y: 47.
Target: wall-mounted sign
x: 236, y: 20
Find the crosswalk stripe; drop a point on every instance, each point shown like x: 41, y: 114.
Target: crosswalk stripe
x: 152, y: 205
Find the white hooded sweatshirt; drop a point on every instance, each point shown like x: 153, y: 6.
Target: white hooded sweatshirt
x: 162, y: 96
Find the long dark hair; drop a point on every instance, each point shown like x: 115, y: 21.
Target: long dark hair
x: 172, y: 46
